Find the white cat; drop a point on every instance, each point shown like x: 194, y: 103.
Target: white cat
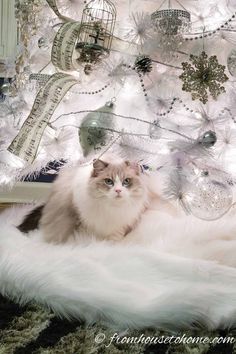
x: 105, y: 199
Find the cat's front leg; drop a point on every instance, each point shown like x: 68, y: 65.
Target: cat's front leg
x: 116, y: 236
x: 120, y: 235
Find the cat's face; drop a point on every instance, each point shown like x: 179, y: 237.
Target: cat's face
x: 118, y: 183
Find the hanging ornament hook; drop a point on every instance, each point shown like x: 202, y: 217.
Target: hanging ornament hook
x: 203, y: 38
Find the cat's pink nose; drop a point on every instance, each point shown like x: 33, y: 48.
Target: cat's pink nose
x: 118, y: 191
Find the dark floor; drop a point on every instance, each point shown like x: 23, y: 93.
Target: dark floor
x: 33, y: 329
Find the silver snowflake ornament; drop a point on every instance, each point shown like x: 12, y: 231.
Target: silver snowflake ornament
x: 203, y: 77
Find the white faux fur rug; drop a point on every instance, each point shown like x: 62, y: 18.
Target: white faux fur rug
x: 159, y: 276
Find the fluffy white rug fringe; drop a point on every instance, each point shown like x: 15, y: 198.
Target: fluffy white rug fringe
x: 152, y: 283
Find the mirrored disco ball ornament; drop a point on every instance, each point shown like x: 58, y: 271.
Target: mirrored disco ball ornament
x: 96, y: 130
x: 208, y: 198
x: 231, y: 62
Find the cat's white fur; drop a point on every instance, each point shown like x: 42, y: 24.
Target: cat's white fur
x: 162, y: 224
x: 71, y: 206
x: 106, y: 217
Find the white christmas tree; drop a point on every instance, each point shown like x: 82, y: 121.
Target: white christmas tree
x: 152, y: 81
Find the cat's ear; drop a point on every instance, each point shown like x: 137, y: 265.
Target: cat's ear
x: 135, y: 166
x: 98, y: 166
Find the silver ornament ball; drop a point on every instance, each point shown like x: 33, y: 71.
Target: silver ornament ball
x: 43, y: 43
x: 96, y: 129
x: 208, y: 139
x: 5, y: 88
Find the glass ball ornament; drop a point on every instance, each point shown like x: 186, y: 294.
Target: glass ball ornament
x: 96, y: 129
x: 208, y: 198
x: 5, y: 89
x: 231, y: 62
x: 43, y: 43
x: 208, y: 139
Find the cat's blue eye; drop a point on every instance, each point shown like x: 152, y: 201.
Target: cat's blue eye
x: 109, y: 182
x: 126, y: 182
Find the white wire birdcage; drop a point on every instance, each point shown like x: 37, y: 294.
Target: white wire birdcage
x: 96, y: 32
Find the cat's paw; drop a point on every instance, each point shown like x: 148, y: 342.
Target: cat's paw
x: 116, y: 237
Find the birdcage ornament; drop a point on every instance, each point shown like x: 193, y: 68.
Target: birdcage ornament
x: 172, y: 21
x: 96, y: 32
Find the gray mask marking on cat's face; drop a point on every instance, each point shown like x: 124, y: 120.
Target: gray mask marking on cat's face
x: 118, y: 182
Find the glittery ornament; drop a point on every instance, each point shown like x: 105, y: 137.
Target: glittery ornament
x: 208, y: 139
x: 143, y: 64
x: 96, y: 129
x: 206, y: 74
x: 208, y: 199
x: 231, y: 62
